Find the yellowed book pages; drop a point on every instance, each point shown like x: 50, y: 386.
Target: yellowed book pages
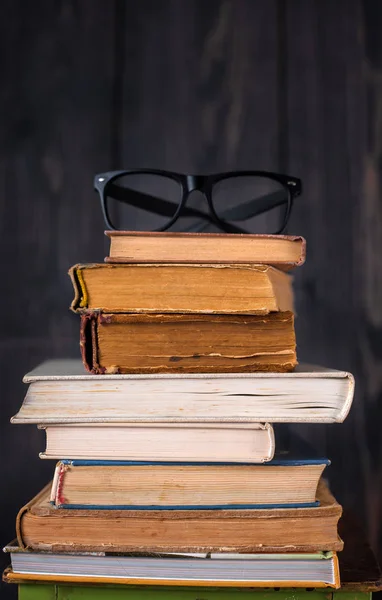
x: 180, y: 288
x: 179, y: 343
x: 283, y: 251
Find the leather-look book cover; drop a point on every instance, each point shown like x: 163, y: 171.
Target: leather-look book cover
x: 359, y: 569
x: 41, y: 526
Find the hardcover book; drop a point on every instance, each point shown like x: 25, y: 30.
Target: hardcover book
x: 61, y: 391
x: 177, y: 288
x: 41, y: 526
x: 214, y: 569
x: 281, y: 251
x: 176, y: 485
x: 198, y: 343
x: 200, y: 442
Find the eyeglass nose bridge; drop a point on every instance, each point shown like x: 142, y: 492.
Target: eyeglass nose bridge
x: 194, y: 182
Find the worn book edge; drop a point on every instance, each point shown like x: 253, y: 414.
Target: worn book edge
x: 17, y: 577
x: 91, y: 320
x: 284, y: 265
x: 275, y: 277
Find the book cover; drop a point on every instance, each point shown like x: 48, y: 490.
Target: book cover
x: 62, y: 391
x: 282, y: 251
x: 178, y: 288
x: 41, y: 526
x: 199, y: 442
x: 180, y: 343
x: 214, y: 569
x: 154, y: 485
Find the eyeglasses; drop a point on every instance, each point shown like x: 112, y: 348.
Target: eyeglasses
x: 237, y: 201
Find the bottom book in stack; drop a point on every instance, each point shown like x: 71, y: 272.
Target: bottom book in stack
x: 164, y: 544
x: 213, y: 569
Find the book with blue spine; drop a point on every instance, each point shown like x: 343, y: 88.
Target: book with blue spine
x: 285, y: 482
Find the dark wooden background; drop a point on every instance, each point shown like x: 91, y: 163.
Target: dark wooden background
x: 196, y: 86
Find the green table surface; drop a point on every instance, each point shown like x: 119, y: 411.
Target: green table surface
x: 33, y: 591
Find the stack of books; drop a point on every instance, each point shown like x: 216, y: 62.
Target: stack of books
x: 168, y: 471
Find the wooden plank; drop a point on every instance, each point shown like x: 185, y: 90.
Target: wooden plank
x: 205, y: 102
x: 340, y: 214
x: 57, y: 62
x: 198, y: 87
x: 367, y: 252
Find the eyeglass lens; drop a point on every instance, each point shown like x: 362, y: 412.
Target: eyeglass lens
x: 149, y: 202
x: 259, y: 204
x: 142, y: 202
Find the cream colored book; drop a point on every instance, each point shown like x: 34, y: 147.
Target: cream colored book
x: 61, y: 391
x: 194, y: 442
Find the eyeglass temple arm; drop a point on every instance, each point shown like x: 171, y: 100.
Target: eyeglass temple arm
x: 167, y: 208
x: 150, y: 203
x: 255, y: 207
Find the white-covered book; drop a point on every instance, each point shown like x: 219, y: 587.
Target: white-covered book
x: 62, y: 392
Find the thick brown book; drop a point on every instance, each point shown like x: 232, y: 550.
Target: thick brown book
x: 40, y: 526
x: 281, y: 251
x: 181, y: 288
x: 179, y: 343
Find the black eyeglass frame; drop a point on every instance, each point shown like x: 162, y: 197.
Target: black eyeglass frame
x: 203, y: 184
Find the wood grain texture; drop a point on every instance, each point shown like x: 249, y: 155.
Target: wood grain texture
x: 196, y: 86
x: 334, y: 145
x: 57, y: 69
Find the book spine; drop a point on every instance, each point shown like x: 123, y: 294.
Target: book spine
x: 336, y: 569
x: 76, y: 287
x: 23, y: 512
x: 57, y: 497
x: 349, y: 399
x: 272, y: 442
x: 80, y: 300
x: 89, y: 342
x: 53, y: 493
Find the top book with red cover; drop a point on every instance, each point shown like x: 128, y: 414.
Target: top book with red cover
x: 281, y: 251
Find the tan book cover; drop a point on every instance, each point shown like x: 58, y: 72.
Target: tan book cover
x: 41, y: 526
x: 282, y: 251
x: 81, y: 484
x: 181, y: 288
x: 179, y: 343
